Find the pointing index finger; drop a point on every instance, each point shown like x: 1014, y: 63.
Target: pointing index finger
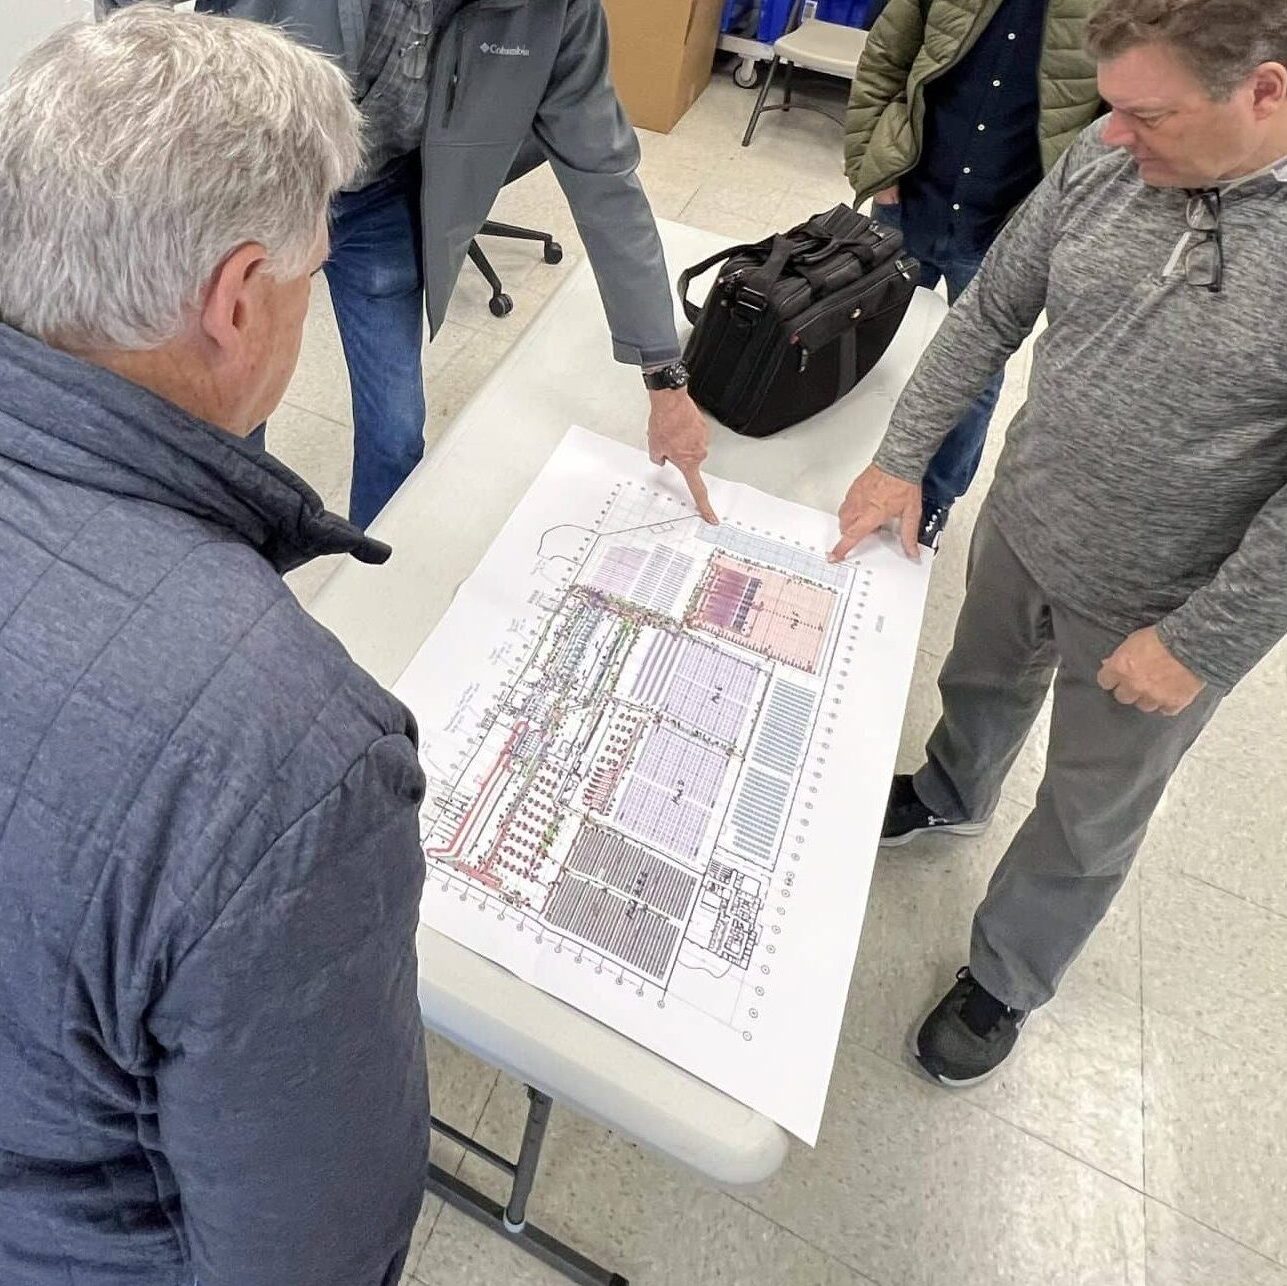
x: 701, y: 498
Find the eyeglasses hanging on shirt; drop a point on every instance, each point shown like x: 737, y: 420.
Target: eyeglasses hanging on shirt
x: 1203, y: 255
x: 413, y: 57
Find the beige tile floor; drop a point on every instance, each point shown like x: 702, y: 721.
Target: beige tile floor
x: 1140, y: 1133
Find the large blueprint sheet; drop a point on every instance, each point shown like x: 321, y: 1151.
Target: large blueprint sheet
x: 658, y: 756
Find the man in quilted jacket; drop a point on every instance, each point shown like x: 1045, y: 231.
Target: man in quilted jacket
x: 212, y: 1065
x: 957, y: 109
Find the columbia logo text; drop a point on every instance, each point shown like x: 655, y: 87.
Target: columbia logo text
x: 505, y: 51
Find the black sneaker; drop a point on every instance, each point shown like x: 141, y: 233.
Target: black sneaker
x: 933, y: 520
x: 968, y: 1036
x: 906, y: 817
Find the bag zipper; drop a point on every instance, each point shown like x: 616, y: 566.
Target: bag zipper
x: 764, y: 373
x: 803, y: 289
x: 901, y: 269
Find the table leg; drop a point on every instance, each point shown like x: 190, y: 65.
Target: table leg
x: 511, y: 1219
x: 529, y: 1157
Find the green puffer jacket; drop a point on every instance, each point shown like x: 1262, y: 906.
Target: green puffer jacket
x: 914, y: 41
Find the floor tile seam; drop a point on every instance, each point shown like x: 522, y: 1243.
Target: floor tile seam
x: 1259, y: 1052
x: 1145, y: 1198
x: 1139, y: 914
x: 1280, y: 1264
x: 1153, y: 1195
x: 1220, y: 888
x: 296, y: 405
x: 800, y: 1237
x: 472, y: 1130
x: 1014, y: 1125
x: 1027, y: 806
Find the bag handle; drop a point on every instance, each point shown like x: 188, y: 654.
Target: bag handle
x: 817, y: 278
x: 689, y: 275
x: 830, y: 241
x: 782, y: 251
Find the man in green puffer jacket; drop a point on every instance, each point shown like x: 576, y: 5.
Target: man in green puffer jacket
x: 957, y: 109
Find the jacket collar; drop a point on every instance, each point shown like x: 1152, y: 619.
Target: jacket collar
x: 87, y: 426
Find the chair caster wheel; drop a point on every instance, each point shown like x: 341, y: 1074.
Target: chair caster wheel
x: 553, y: 253
x: 501, y: 305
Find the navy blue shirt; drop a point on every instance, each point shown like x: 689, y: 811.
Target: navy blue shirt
x: 980, y: 155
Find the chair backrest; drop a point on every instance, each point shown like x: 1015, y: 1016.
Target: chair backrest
x: 530, y: 155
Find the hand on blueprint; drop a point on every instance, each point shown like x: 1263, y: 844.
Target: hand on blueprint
x: 876, y: 499
x: 677, y: 434
x: 1143, y: 672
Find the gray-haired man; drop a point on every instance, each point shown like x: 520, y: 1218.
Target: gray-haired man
x: 211, y: 1058
x: 1132, y: 548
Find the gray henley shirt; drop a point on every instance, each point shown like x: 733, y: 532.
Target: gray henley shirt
x: 1144, y: 481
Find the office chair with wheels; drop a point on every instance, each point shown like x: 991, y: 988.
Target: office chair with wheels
x: 529, y: 157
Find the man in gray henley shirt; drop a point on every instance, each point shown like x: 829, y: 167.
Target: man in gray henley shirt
x: 1133, y: 549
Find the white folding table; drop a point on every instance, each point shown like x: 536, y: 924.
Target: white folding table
x: 440, y: 523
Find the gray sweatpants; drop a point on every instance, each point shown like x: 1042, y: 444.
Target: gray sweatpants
x: 1106, y: 769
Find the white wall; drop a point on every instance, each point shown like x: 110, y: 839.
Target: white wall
x: 24, y: 22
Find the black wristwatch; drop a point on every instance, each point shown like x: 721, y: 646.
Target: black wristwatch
x: 673, y: 376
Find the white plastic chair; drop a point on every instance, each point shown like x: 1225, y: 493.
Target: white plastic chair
x: 828, y: 47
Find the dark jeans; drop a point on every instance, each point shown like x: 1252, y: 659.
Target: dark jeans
x: 376, y: 281
x: 954, y: 465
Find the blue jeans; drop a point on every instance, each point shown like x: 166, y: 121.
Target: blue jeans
x: 954, y: 465
x: 376, y: 277
x: 375, y: 274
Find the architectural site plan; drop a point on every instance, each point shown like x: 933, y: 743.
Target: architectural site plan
x: 658, y: 755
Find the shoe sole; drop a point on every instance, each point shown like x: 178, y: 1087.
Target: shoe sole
x: 947, y: 1082
x: 954, y: 828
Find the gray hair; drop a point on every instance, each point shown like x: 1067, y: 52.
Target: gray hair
x: 136, y: 155
x: 1221, y: 41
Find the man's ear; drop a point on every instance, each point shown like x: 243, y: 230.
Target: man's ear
x: 231, y: 295
x: 1269, y: 89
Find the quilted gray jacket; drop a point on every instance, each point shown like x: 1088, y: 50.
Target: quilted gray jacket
x: 211, y: 1058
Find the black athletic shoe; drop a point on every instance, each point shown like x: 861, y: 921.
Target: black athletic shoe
x: 933, y: 520
x: 906, y: 817
x: 968, y: 1036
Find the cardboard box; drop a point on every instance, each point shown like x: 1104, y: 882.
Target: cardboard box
x: 662, y: 51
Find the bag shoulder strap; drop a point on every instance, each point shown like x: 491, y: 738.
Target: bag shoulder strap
x: 689, y: 275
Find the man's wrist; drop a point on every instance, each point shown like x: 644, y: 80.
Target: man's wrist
x: 669, y: 376
x: 898, y: 465
x: 1171, y: 633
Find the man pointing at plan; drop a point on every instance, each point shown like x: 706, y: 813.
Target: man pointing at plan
x: 452, y: 92
x: 1131, y: 549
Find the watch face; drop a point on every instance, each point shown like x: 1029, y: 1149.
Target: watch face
x: 674, y: 376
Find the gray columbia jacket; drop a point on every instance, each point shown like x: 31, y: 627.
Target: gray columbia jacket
x: 501, y: 71
x: 211, y: 1057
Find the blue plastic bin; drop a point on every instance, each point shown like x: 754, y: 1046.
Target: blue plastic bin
x: 776, y: 13
x: 850, y: 13
x: 740, y: 18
